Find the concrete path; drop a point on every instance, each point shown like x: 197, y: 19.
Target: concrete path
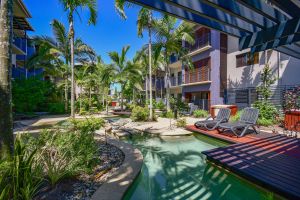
x: 162, y: 126
x: 123, y: 177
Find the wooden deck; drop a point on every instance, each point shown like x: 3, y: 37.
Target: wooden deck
x: 272, y: 163
x: 228, y: 136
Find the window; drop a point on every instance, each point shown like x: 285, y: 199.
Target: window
x: 247, y: 59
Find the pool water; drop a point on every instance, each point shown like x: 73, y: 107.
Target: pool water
x: 174, y: 168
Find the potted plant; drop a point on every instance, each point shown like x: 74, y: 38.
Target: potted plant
x: 292, y: 109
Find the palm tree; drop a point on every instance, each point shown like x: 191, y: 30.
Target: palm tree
x: 169, y: 39
x: 6, y: 123
x: 107, y: 75
x: 71, y: 7
x: 125, y: 69
x: 145, y: 21
x: 54, y: 53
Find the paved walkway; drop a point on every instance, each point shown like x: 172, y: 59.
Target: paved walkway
x: 162, y: 126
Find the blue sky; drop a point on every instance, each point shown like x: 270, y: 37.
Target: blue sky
x: 111, y: 33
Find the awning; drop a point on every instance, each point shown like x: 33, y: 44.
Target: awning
x: 259, y: 24
x: 21, y: 23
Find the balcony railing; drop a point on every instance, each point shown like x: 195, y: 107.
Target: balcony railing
x: 176, y: 81
x: 197, y: 75
x: 200, y: 42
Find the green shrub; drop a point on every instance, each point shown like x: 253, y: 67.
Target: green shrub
x: 236, y: 117
x: 267, y: 113
x: 159, y: 105
x: 139, y: 114
x: 181, y: 122
x: 265, y: 122
x: 200, y: 113
x: 169, y: 115
x: 21, y: 175
x: 56, y: 108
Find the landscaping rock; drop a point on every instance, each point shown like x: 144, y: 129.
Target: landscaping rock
x: 84, y: 186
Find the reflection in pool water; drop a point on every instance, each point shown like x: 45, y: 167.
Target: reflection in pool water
x: 174, y: 168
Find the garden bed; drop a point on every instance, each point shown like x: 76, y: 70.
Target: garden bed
x: 84, y: 186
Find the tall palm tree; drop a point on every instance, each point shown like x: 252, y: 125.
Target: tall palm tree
x: 71, y: 7
x: 6, y: 124
x: 169, y: 39
x: 54, y: 53
x: 107, y: 75
x: 125, y: 69
x: 145, y: 21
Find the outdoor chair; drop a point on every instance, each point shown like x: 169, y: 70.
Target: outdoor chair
x: 190, y: 111
x: 211, y: 123
x: 248, y: 119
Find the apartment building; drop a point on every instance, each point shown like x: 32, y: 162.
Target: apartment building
x: 202, y: 83
x: 22, y: 47
x: 244, y: 69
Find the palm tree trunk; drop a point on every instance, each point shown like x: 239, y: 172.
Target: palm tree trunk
x: 66, y: 94
x: 6, y: 121
x: 80, y: 99
x: 147, y: 97
x: 71, y: 32
x: 155, y: 85
x: 107, y: 102
x: 150, y: 65
x: 122, y: 89
x: 90, y: 98
x: 167, y: 82
x: 133, y: 95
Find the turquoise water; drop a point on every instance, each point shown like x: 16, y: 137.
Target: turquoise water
x: 174, y: 168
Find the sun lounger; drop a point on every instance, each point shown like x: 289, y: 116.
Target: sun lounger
x: 211, y: 123
x: 248, y: 119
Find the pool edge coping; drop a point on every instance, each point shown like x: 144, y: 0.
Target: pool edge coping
x: 120, y: 181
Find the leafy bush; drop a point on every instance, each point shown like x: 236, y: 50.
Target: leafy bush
x: 56, y: 108
x: 292, y: 99
x: 181, y: 122
x: 267, y: 113
x: 139, y: 114
x: 29, y: 94
x: 200, y: 113
x: 169, y: 115
x: 159, y: 105
x: 55, y: 155
x: 21, y: 175
x: 236, y: 117
x: 265, y: 122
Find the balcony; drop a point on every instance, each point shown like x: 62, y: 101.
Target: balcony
x: 197, y: 76
x: 202, y: 43
x: 176, y: 81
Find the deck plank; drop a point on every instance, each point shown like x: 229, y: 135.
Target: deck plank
x: 271, y: 162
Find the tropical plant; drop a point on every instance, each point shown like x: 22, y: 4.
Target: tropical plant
x: 267, y: 111
x: 71, y: 7
x: 139, y: 114
x: 181, y: 123
x: 6, y: 121
x: 21, y: 174
x: 292, y: 99
x: 200, y: 113
x: 169, y: 37
x: 53, y: 54
x: 32, y: 94
x: 125, y: 70
x: 145, y: 21
x: 267, y: 80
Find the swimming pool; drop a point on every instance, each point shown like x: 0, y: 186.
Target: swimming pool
x: 174, y: 168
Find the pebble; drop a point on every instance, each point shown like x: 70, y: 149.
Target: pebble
x: 85, y: 185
